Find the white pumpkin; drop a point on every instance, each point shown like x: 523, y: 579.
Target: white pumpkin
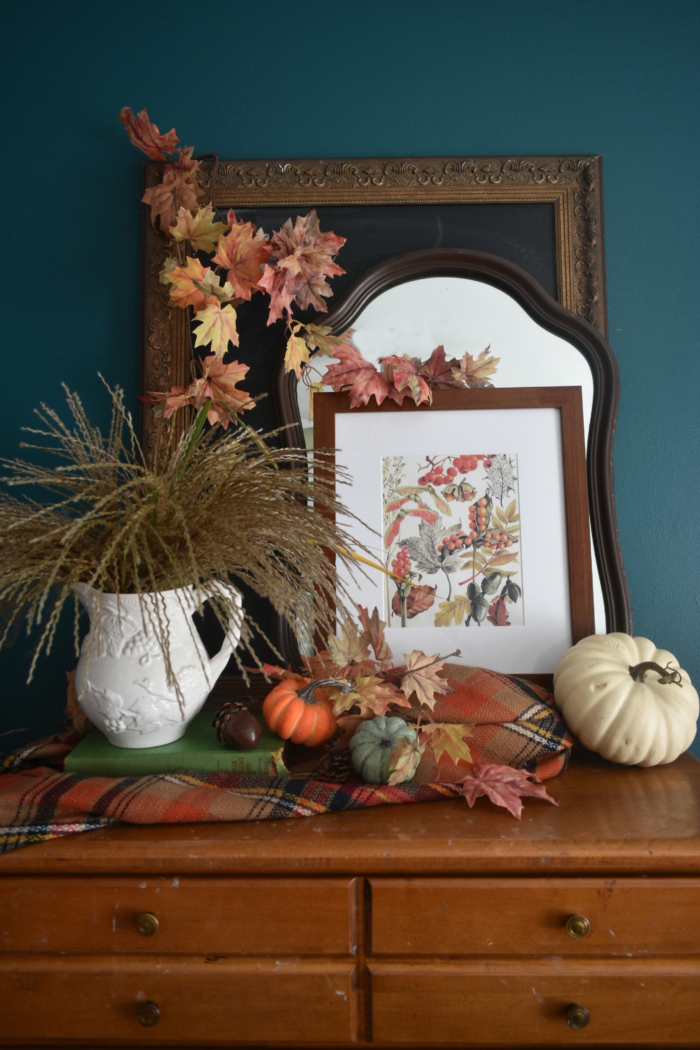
x: 626, y: 699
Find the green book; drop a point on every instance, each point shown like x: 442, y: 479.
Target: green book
x: 198, y: 749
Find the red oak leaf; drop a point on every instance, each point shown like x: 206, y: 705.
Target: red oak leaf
x: 437, y: 370
x: 243, y: 251
x: 356, y: 376
x: 405, y: 376
x: 418, y: 600
x: 302, y: 258
x: 146, y: 135
x: 498, y: 613
x: 503, y: 785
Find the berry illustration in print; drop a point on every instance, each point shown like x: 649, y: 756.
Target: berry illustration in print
x: 452, y: 540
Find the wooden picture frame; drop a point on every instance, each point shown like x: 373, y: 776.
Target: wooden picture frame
x: 543, y: 213
x: 556, y: 620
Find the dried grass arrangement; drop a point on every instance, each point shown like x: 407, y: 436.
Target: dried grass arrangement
x: 212, y: 504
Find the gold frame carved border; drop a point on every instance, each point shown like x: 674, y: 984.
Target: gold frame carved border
x: 572, y: 184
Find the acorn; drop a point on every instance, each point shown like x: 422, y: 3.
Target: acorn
x: 236, y: 727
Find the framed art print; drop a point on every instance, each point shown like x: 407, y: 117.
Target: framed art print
x: 477, y: 507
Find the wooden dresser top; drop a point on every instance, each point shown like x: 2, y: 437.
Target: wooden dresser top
x: 610, y: 819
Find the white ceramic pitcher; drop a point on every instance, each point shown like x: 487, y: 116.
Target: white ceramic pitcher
x: 121, y: 678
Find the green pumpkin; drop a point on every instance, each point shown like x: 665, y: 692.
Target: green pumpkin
x: 372, y: 744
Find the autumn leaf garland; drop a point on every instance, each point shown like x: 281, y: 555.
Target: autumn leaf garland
x: 291, y: 266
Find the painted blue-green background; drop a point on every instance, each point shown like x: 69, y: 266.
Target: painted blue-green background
x: 618, y: 77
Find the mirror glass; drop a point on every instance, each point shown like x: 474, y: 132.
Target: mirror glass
x: 465, y: 315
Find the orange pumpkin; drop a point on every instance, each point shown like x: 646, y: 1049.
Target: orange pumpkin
x: 294, y: 712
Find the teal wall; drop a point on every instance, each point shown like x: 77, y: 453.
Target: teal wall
x: 618, y: 77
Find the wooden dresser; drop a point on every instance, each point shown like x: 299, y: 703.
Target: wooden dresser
x: 411, y: 926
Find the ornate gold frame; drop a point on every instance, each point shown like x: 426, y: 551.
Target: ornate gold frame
x: 572, y: 184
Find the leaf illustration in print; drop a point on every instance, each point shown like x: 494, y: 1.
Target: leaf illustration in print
x: 424, y: 552
x: 498, y: 613
x: 501, y: 477
x: 418, y: 599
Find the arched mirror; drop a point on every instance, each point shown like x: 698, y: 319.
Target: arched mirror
x: 467, y: 301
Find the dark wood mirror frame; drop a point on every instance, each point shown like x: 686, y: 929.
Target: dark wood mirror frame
x: 554, y: 318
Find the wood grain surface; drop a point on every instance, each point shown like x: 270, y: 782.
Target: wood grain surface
x: 609, y: 819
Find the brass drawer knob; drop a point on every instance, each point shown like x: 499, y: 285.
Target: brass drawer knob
x: 578, y: 926
x: 147, y: 924
x: 577, y: 1016
x: 148, y: 1013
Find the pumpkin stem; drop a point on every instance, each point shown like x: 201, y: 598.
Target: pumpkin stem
x: 667, y: 675
x: 307, y: 694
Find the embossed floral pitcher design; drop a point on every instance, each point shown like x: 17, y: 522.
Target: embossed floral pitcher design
x: 121, y: 679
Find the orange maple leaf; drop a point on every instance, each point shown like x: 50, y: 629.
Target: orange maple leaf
x: 195, y: 285
x: 301, y: 260
x: 243, y: 251
x: 146, y: 135
x: 372, y: 695
x: 219, y: 388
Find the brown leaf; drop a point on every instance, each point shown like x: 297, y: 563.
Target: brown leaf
x: 179, y: 189
x: 421, y: 677
x: 146, y: 135
x: 375, y: 627
x: 419, y: 598
x: 503, y: 785
x: 473, y: 372
x: 349, y: 646
x: 437, y: 370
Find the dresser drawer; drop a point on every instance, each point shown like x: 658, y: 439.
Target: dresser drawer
x: 629, y: 1003
x: 529, y: 916
x: 206, y: 915
x: 236, y: 1001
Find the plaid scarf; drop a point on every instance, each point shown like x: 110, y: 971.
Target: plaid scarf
x: 510, y: 722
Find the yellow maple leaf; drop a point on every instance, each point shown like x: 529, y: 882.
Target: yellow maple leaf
x: 372, y: 695
x: 217, y: 325
x: 318, y: 337
x: 448, y: 739
x: 421, y: 678
x: 456, y: 610
x: 296, y: 355
x: 350, y: 646
x: 404, y: 760
x: 201, y: 229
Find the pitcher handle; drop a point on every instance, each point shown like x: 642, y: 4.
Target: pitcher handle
x: 218, y: 662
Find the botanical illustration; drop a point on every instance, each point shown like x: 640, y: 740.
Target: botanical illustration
x: 452, y: 540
